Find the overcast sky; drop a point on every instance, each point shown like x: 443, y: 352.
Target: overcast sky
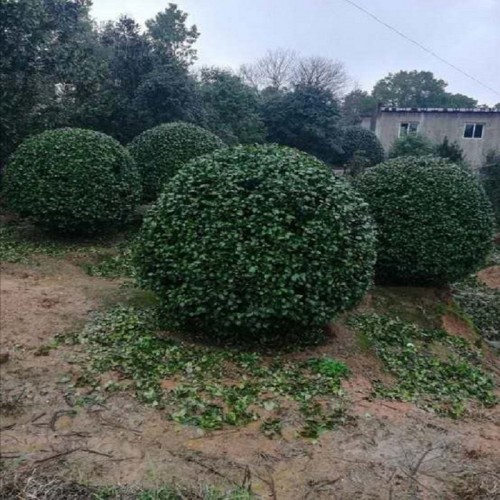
x: 233, y: 32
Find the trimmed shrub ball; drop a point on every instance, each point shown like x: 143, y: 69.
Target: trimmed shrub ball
x: 162, y: 150
x: 364, y: 142
x: 259, y: 241
x: 72, y: 180
x: 434, y: 220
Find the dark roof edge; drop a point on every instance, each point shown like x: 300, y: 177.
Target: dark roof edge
x: 388, y: 109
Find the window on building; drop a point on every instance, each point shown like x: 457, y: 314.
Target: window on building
x: 408, y: 128
x: 473, y: 130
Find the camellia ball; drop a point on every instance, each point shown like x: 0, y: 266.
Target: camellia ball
x: 258, y: 241
x: 162, y: 150
x: 434, y: 220
x: 72, y: 180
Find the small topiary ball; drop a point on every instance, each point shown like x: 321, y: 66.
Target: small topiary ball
x: 262, y: 241
x: 162, y: 150
x: 364, y: 142
x: 434, y: 220
x: 72, y: 180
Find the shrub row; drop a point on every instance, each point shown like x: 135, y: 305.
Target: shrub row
x: 256, y: 240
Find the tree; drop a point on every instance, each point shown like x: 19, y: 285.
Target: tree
x: 459, y: 101
x: 322, y: 73
x: 230, y: 108
x: 48, y: 61
x: 147, y: 80
x: 274, y: 70
x: 129, y: 54
x: 357, y: 104
x: 497, y: 106
x: 451, y: 151
x: 306, y: 118
x: 167, y: 94
x: 412, y: 145
x: 170, y: 36
x: 413, y: 89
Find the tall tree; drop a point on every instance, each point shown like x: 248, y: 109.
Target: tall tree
x: 171, y: 37
x: 274, y: 70
x: 410, y: 89
x: 48, y: 59
x: 306, y: 118
x: 357, y: 104
x: 230, y: 107
x: 320, y: 72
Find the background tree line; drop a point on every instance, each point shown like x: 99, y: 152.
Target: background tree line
x: 58, y: 67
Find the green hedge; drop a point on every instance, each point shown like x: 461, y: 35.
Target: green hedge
x: 434, y: 220
x: 364, y: 142
x: 162, y: 150
x: 258, y: 240
x: 72, y: 180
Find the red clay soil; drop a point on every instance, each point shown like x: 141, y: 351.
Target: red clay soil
x: 387, y: 450
x: 490, y: 277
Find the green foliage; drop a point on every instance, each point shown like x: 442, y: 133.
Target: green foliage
x: 166, y: 94
x: 208, y: 387
x: 490, y: 175
x: 16, y: 250
x: 306, y: 118
x: 42, y: 43
x: 230, y: 107
x: 450, y: 151
x: 481, y: 304
x: 363, y: 142
x: 171, y: 37
x: 411, y: 145
x: 72, y: 180
x: 433, y: 369
x: 357, y: 164
x: 413, y: 89
x: 357, y: 104
x: 161, y: 151
x: 260, y: 241
x: 434, y: 220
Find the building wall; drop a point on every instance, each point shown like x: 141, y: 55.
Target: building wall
x: 436, y: 125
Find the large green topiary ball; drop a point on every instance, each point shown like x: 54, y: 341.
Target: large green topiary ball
x: 162, y: 150
x: 72, y: 180
x: 434, y: 220
x: 364, y: 142
x: 261, y: 241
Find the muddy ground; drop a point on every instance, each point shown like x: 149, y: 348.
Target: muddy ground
x: 387, y: 449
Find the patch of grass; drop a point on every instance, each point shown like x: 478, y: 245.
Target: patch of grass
x: 433, y: 369
x: 481, y: 304
x: 117, y: 265
x: 413, y: 304
x: 104, y: 256
x: 209, y: 387
x: 17, y: 249
x: 55, y: 488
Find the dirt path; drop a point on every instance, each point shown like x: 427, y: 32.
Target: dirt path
x: 386, y: 450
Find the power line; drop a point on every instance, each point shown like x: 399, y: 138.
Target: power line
x: 423, y: 47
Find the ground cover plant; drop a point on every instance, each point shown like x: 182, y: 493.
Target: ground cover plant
x: 434, y: 220
x: 208, y: 387
x: 72, y: 180
x: 104, y: 256
x: 431, y: 368
x: 162, y: 150
x: 258, y: 242
x: 481, y: 304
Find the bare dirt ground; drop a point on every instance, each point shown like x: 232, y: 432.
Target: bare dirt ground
x: 387, y: 450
